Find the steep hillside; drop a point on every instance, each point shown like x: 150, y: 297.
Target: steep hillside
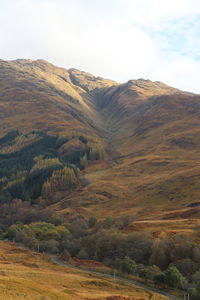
x: 36, y: 95
x: 47, y: 123
x: 99, y: 171
x: 136, y: 144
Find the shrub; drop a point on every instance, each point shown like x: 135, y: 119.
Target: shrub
x: 128, y: 265
x: 173, y: 277
x: 83, y: 254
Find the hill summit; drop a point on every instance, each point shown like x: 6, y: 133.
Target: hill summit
x: 85, y: 145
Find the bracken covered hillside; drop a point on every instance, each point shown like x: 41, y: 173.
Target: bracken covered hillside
x: 89, y: 146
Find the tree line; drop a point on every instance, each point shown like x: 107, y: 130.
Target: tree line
x: 166, y: 262
x: 30, y: 164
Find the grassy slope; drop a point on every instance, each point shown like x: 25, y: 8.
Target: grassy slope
x: 37, y: 95
x: 155, y: 145
x: 25, y: 275
x: 151, y: 131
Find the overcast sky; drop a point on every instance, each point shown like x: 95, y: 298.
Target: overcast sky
x: 116, y: 39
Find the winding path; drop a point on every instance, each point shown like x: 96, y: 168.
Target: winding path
x: 117, y: 278
x: 58, y: 262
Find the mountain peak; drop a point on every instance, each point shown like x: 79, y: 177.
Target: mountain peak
x: 140, y: 128
x: 88, y: 81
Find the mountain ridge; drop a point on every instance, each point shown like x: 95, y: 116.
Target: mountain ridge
x: 149, y: 133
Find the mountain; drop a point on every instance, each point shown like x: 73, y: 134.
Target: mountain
x: 103, y: 174
x: 136, y: 144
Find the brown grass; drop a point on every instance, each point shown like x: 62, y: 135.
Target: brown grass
x: 25, y: 275
x: 151, y: 133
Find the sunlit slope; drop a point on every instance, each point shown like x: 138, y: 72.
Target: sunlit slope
x: 26, y: 275
x: 150, y: 132
x: 154, y: 142
x: 35, y: 95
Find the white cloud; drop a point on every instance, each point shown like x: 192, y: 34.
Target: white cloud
x: 118, y: 39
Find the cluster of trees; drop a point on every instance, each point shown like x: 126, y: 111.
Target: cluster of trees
x: 31, y: 166
x: 14, y: 180
x: 171, y: 261
x: 84, y: 161
x: 97, y: 152
x: 41, y: 236
x: 15, y: 166
x: 93, y: 151
x: 63, y: 179
x: 42, y: 163
x: 10, y: 136
x: 170, y: 277
x: 28, y: 161
x: 18, y: 211
x: 19, y: 142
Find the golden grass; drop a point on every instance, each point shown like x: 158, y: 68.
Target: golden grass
x: 25, y: 275
x: 152, y: 166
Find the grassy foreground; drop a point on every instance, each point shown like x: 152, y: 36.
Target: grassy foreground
x: 26, y: 275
